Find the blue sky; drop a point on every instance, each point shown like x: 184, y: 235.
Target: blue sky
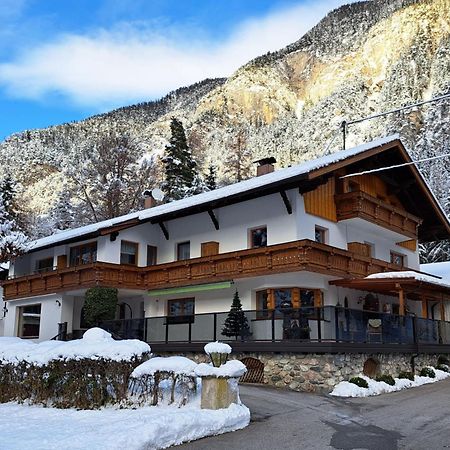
x: 63, y: 60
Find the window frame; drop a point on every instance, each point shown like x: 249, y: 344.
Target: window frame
x: 173, y: 319
x: 394, y: 254
x: 45, y: 268
x: 154, y: 249
x: 80, y: 262
x: 136, y: 254
x: 178, y: 246
x: 251, y: 232
x: 20, y: 323
x: 323, y: 232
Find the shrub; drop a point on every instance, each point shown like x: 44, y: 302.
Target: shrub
x: 427, y: 372
x: 443, y: 360
x: 100, y: 304
x: 443, y: 367
x: 406, y: 375
x: 388, y: 379
x: 361, y: 382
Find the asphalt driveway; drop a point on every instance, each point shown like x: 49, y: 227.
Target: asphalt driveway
x: 415, y: 419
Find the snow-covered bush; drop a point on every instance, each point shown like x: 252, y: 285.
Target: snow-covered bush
x: 386, y: 378
x: 85, y: 373
x: 406, y: 376
x: 358, y: 381
x: 443, y: 367
x: 427, y: 372
x: 152, y: 381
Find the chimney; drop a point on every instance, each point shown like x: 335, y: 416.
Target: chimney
x: 265, y: 166
x: 152, y: 197
x: 149, y: 201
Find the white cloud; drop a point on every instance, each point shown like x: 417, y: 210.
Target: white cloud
x: 108, y: 67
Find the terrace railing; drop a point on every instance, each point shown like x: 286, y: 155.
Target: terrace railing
x: 325, y: 324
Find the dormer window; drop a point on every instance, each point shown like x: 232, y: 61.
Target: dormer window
x: 258, y: 237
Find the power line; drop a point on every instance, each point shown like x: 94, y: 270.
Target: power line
x: 396, y: 166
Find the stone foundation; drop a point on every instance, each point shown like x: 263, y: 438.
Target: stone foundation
x: 320, y: 372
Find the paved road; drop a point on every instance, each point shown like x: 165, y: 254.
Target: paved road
x: 414, y: 419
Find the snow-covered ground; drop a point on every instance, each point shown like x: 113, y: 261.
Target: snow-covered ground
x: 347, y: 389
x: 38, y: 428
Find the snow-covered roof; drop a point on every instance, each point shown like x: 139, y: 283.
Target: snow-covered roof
x: 439, y: 269
x: 409, y: 274
x: 215, y: 195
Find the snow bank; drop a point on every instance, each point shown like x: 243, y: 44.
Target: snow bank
x: 154, y: 427
x: 95, y: 344
x: 347, y: 389
x: 217, y: 347
x: 176, y: 364
x: 231, y: 369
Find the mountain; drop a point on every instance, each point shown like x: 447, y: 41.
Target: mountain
x: 362, y: 58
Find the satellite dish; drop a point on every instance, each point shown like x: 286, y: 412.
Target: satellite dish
x: 158, y: 194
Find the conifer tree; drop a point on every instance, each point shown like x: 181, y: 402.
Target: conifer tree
x: 62, y: 213
x: 180, y: 168
x: 12, y: 241
x: 211, y: 178
x: 236, y: 323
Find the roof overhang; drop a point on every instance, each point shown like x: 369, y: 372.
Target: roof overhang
x: 413, y: 288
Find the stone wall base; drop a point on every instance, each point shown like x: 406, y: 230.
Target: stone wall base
x: 320, y: 372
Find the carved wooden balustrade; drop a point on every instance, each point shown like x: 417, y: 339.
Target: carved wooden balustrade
x: 288, y: 257
x: 358, y: 204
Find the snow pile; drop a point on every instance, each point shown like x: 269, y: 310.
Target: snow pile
x: 231, y: 369
x: 217, y: 347
x: 41, y: 428
x: 95, y: 344
x: 178, y: 365
x: 347, y: 389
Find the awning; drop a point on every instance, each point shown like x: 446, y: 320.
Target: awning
x: 190, y: 289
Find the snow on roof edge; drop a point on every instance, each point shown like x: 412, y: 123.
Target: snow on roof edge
x: 205, y: 197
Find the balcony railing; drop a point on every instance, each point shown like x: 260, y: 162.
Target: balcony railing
x: 328, y: 324
x: 358, y: 204
x: 289, y: 257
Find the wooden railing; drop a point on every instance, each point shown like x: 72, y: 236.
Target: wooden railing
x: 289, y: 257
x: 359, y: 204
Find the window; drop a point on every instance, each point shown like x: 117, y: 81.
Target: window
x: 397, y: 259
x: 183, y: 250
x: 152, y: 254
x: 181, y: 310
x: 258, y: 237
x: 285, y: 301
x: 83, y: 254
x: 44, y: 265
x: 129, y: 253
x: 29, y: 321
x: 320, y: 234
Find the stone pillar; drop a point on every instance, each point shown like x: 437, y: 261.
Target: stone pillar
x: 218, y: 393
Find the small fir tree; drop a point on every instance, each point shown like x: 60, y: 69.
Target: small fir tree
x: 211, y: 178
x: 236, y: 324
x: 180, y: 168
x: 63, y: 213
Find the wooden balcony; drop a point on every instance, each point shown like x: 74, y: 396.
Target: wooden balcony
x: 358, y: 204
x: 289, y: 257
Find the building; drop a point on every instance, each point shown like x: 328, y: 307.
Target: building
x: 324, y: 257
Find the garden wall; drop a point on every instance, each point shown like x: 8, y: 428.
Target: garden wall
x: 320, y: 372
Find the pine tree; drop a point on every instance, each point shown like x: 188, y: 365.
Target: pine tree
x: 180, y: 168
x: 236, y: 324
x: 211, y: 178
x: 62, y: 213
x: 12, y: 241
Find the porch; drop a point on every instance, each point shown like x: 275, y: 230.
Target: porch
x: 317, y: 329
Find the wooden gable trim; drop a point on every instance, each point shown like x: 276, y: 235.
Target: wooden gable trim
x: 119, y: 227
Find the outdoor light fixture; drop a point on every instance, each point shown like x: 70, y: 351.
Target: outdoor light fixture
x: 58, y: 302
x: 5, y: 309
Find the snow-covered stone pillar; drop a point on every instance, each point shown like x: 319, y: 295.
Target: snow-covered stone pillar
x: 220, y: 386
